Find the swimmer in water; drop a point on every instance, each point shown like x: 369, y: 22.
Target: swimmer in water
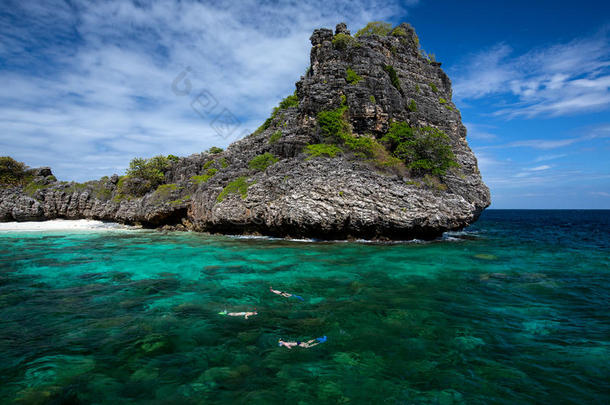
x: 244, y: 314
x: 285, y: 294
x: 306, y: 345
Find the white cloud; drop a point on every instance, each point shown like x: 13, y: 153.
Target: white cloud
x: 544, y: 158
x: 543, y: 143
x: 538, y: 168
x: 88, y: 85
x: 485, y: 73
x: 598, y: 132
x: 558, y: 80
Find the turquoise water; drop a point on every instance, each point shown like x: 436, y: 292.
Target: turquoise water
x: 513, y: 310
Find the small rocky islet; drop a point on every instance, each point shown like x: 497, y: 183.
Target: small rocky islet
x: 370, y: 145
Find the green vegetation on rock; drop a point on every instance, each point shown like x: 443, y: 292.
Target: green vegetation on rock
x: 375, y: 28
x: 238, y: 186
x: 372, y: 98
x: 442, y: 100
x: 166, y: 190
x: 31, y: 187
x: 425, y: 150
x: 333, y: 125
x: 99, y: 189
x: 275, y: 136
x: 102, y: 191
x: 320, y: 149
x: 412, y: 106
x: 261, y: 162
x: 351, y: 76
x: 362, y: 146
x: 180, y: 200
x: 121, y: 189
x: 343, y: 41
x: 288, y: 102
x: 152, y: 170
x: 398, y: 32
x: 125, y: 189
x: 214, y: 150
x: 433, y: 87
x: 143, y: 175
x: 12, y: 172
x: 203, y: 178
x: 335, y: 128
x: 393, y: 77
x: 434, y: 182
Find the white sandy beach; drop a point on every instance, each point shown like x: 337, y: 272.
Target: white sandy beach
x: 60, y: 225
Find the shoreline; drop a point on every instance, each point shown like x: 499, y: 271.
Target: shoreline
x: 59, y: 225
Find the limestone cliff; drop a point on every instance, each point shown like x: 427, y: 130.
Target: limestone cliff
x: 350, y: 183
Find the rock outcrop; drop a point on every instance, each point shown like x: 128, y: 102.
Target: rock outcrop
x: 288, y: 192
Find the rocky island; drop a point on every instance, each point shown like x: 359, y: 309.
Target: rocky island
x: 370, y: 145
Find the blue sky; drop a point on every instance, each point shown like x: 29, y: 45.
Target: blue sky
x: 86, y: 86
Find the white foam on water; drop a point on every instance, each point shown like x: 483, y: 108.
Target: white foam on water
x: 61, y: 225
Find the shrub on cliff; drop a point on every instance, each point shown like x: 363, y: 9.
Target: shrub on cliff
x: 425, y: 150
x: 288, y: 102
x: 343, y: 41
x: 319, y: 149
x: 412, y: 106
x: 261, y: 162
x: 333, y: 125
x: 213, y: 150
x: 351, y: 76
x: 128, y: 187
x: 238, y: 186
x: 152, y: 170
x: 335, y: 129
x: 398, y: 32
x: 143, y: 175
x: 393, y: 77
x: 12, y: 172
x: 164, y: 191
x: 275, y: 136
x: 203, y: 178
x: 375, y: 28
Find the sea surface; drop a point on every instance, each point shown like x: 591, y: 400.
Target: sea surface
x: 515, y: 309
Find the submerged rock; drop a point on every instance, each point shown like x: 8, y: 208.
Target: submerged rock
x: 322, y: 166
x: 56, y: 369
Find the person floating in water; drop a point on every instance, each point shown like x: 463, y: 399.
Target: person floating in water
x: 285, y: 294
x: 306, y: 345
x: 244, y: 314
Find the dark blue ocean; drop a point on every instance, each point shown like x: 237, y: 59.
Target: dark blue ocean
x: 515, y: 309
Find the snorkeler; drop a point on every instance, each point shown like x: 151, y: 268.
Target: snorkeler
x: 306, y: 345
x: 285, y: 294
x: 244, y: 314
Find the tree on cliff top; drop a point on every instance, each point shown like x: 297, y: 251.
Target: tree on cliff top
x: 12, y: 172
x: 152, y: 169
x: 375, y: 28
